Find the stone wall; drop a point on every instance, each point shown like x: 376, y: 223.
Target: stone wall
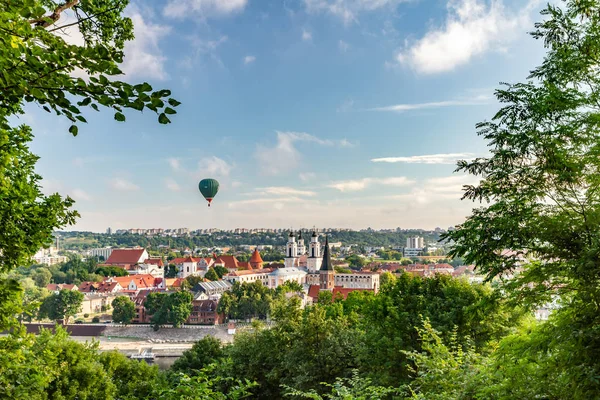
x: 168, y: 334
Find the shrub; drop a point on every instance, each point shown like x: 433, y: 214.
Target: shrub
x: 96, y: 320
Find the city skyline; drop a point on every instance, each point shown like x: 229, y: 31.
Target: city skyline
x: 346, y: 113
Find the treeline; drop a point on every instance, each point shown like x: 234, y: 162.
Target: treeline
x: 87, y: 240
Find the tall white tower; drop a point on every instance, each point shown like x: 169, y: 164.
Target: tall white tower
x: 291, y: 253
x: 314, y: 260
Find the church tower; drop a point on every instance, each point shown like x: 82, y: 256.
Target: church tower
x: 301, y: 247
x: 313, y: 262
x: 256, y: 261
x: 327, y: 273
x: 291, y: 253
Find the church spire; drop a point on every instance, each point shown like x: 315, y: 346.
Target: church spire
x: 326, y: 265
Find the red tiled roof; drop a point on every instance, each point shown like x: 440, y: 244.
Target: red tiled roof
x: 101, y: 287
x: 125, y: 256
x: 155, y: 261
x: 244, y: 265
x: 256, y: 258
x: 230, y: 262
x: 181, y: 260
x: 173, y: 282
x: 313, y: 291
x: 142, y: 281
x: 61, y: 286
x: 250, y: 272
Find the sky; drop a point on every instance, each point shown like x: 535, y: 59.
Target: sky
x: 327, y: 113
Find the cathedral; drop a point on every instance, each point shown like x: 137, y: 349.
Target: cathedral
x: 296, y: 250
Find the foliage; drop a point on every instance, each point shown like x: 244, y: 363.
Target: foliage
x: 62, y: 305
x: 247, y: 300
x: 474, y: 311
x: 342, y: 270
x: 212, y: 275
x: 111, y: 271
x: 387, y: 278
x: 204, y: 387
x: 171, y: 271
x: 169, y: 308
x: 356, y: 261
x: 96, y: 319
x: 220, y: 270
x: 123, y: 310
x: 42, y: 277
x: 203, y: 353
x: 355, y: 388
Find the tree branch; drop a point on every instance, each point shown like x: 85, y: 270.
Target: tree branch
x: 55, y: 16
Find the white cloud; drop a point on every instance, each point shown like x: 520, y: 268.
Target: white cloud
x: 474, y: 101
x: 171, y: 185
x: 285, y: 191
x: 79, y: 194
x: 283, y: 156
x: 346, y: 143
x: 236, y: 184
x: 449, y: 158
x: 272, y: 202
x: 175, y: 163
x: 347, y: 10
x: 123, y: 185
x: 306, y: 35
x: 203, y: 8
x: 434, y: 190
x: 362, y: 184
x: 343, y: 46
x: 307, y: 176
x: 471, y: 29
x: 214, y: 166
x: 249, y: 59
x: 143, y: 57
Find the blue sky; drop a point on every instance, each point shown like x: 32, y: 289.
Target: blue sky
x: 341, y: 113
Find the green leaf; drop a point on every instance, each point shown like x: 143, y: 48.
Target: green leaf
x: 163, y: 119
x: 85, y: 101
x: 174, y: 102
x: 74, y: 130
x: 81, y: 118
x: 119, y: 117
x: 169, y: 110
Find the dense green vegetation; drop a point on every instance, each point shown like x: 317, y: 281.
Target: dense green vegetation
x: 87, y: 240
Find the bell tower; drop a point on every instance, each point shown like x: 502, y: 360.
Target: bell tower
x: 327, y: 273
x: 291, y: 253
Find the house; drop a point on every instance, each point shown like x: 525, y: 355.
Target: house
x: 215, y: 288
x: 173, y: 283
x: 187, y: 266
x: 230, y: 262
x: 204, y: 312
x: 249, y: 276
x: 57, y: 287
x: 96, y: 302
x: 125, y: 257
x: 138, y: 282
x: 100, y: 287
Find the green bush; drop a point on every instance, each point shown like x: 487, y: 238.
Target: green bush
x: 96, y: 320
x: 86, y: 315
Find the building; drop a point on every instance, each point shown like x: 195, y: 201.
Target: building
x: 188, y: 266
x: 48, y: 259
x: 57, y: 287
x: 279, y: 276
x: 256, y: 261
x: 296, y: 252
x: 126, y: 257
x: 339, y: 286
x: 249, y: 276
x: 137, y: 282
x: 100, y: 287
x: 204, y: 312
x: 96, y: 302
x: 109, y: 231
x: 103, y: 252
x: 414, y: 246
x: 212, y: 289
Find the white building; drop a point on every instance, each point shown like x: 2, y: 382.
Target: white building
x: 358, y: 280
x: 415, y: 242
x: 282, y: 275
x: 99, y: 252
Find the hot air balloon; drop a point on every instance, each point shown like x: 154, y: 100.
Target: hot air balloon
x: 209, y: 189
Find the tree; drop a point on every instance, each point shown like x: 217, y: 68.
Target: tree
x: 123, y: 310
x: 111, y: 271
x: 174, y: 308
x: 541, y: 181
x: 211, y: 275
x: 386, y: 278
x: 204, y: 352
x: 62, y: 305
x: 42, y: 277
x: 356, y: 261
x: 37, y: 66
x: 220, y: 270
x: 171, y: 271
